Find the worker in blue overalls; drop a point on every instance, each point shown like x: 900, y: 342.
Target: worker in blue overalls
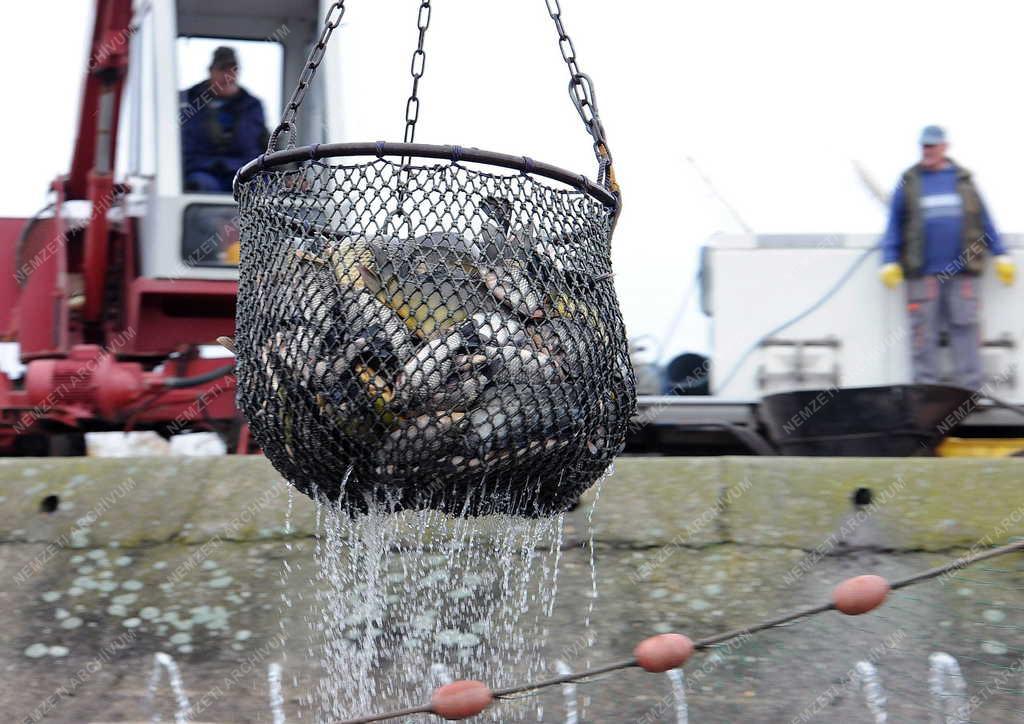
x: 222, y: 126
x: 938, y: 234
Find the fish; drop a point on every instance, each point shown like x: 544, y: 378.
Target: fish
x: 608, y: 436
x: 345, y: 258
x: 512, y: 287
x: 570, y: 345
x: 574, y: 260
x: 566, y: 306
x: 494, y: 328
x: 499, y: 211
x: 559, y: 411
x: 416, y: 438
x: 284, y: 351
x: 374, y: 325
x: 465, y: 363
x: 428, y: 370
x: 519, y: 421
x: 504, y: 256
x: 376, y: 387
x: 361, y: 329
x: 357, y: 357
x: 431, y: 283
x: 498, y: 423
x: 316, y: 290
x: 510, y: 364
x: 503, y: 240
x: 270, y: 363
x: 460, y: 393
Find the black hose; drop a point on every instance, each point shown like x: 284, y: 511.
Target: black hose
x: 179, y: 382
x: 1019, y: 409
x: 747, y: 437
x: 19, y: 246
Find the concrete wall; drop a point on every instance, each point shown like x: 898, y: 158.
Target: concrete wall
x: 185, y: 556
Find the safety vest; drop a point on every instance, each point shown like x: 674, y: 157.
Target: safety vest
x: 973, y: 244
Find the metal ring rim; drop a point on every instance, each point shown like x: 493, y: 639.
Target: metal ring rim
x: 426, y: 150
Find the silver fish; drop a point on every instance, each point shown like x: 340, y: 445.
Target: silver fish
x: 426, y: 371
x: 511, y: 286
x: 499, y: 423
x: 496, y: 329
x: 570, y: 344
x: 367, y: 318
x: 520, y: 364
x: 420, y: 436
x: 459, y: 394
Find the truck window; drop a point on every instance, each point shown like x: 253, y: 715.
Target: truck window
x: 230, y: 98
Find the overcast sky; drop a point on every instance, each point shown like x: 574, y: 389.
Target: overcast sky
x: 773, y: 101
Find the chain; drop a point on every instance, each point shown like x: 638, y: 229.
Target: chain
x: 416, y: 68
x: 316, y: 56
x: 581, y: 87
x: 412, y: 106
x: 581, y: 90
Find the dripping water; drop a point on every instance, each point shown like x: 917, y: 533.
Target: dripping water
x: 164, y: 662
x: 274, y: 687
x: 569, y: 692
x: 871, y: 686
x: 679, y: 695
x: 404, y: 594
x: 948, y: 689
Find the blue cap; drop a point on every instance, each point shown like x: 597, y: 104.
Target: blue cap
x: 932, y: 135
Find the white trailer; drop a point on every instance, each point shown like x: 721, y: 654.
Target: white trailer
x: 808, y: 311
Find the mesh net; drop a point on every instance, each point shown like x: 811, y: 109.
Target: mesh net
x: 430, y: 336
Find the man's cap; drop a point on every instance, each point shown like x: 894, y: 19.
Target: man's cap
x: 932, y: 135
x: 224, y: 57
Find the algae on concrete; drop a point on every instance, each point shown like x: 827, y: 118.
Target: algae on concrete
x: 191, y: 562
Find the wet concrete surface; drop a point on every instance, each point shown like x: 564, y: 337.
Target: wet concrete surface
x: 189, y: 557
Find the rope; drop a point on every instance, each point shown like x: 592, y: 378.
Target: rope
x: 709, y: 641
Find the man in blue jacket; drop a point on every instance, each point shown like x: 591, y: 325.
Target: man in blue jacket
x: 222, y: 126
x: 938, y: 234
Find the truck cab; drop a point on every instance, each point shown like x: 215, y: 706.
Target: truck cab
x: 185, y: 235
x: 118, y: 290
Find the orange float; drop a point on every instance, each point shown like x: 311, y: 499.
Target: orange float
x: 663, y: 652
x: 861, y: 594
x: 460, y: 699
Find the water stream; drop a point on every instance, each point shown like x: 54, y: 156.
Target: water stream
x: 871, y: 686
x: 948, y: 689
x: 678, y: 684
x: 407, y: 600
x: 274, y: 687
x: 569, y: 692
x: 410, y: 601
x: 945, y: 684
x: 164, y: 662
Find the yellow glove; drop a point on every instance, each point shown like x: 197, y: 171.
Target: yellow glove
x: 891, y: 274
x: 1006, y: 270
x: 232, y: 255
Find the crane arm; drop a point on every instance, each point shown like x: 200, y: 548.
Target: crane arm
x: 96, y: 136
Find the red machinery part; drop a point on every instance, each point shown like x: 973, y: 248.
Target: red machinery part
x: 89, y: 379
x: 92, y: 384
x: 62, y: 285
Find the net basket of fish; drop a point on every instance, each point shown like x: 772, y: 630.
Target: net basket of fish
x: 418, y: 334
